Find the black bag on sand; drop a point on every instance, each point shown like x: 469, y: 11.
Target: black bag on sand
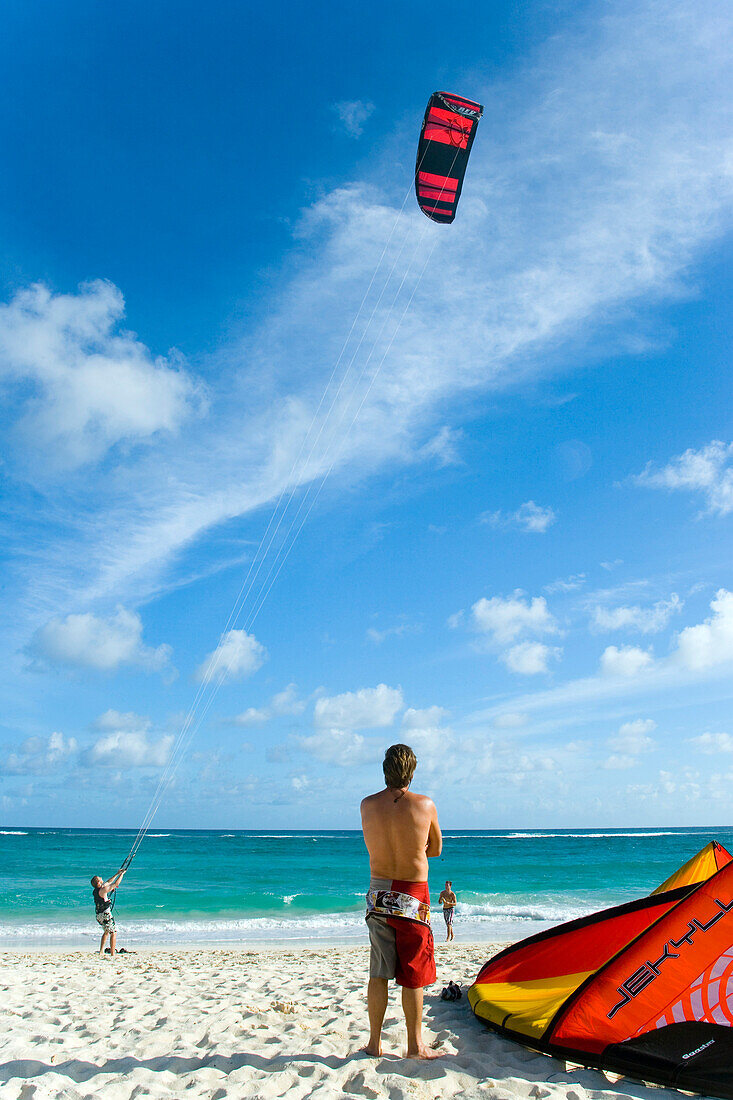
x: 452, y: 992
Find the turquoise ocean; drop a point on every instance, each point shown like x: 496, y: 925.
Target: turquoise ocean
x: 218, y: 886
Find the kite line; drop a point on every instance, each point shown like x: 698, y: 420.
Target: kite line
x: 195, y: 717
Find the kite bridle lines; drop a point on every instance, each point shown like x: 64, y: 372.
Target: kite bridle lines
x: 195, y: 717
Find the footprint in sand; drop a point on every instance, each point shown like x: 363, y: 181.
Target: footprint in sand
x: 356, y: 1086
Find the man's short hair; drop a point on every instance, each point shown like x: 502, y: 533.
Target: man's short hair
x: 399, y: 766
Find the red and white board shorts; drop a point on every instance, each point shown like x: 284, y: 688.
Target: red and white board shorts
x: 400, y: 948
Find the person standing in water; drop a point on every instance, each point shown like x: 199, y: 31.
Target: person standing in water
x: 103, y: 908
x: 448, y: 900
x: 401, y: 833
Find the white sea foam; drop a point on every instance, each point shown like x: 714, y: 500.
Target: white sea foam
x: 490, y: 919
x: 562, y: 836
x: 555, y: 914
x: 12, y: 832
x: 158, y: 834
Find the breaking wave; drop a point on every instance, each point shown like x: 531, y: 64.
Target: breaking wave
x: 483, y: 920
x: 563, y: 836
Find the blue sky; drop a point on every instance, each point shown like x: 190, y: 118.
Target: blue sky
x: 501, y: 449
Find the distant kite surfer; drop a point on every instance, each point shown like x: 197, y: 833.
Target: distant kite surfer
x: 103, y: 908
x: 448, y: 900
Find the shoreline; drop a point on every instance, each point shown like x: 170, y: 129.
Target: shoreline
x: 331, y: 929
x: 276, y: 947
x: 86, y: 942
x: 225, y: 1024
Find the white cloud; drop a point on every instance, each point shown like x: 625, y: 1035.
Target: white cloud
x: 505, y: 618
x: 432, y: 742
x: 528, y: 517
x: 285, y: 702
x: 368, y: 708
x: 710, y: 643
x: 633, y: 738
x: 710, y: 743
x: 398, y: 631
x: 104, y: 644
x: 644, y: 620
x: 533, y: 517
x: 625, y: 661
x: 420, y: 719
x: 530, y: 658
x: 705, y: 655
x: 115, y: 719
x: 708, y: 472
x: 619, y: 762
x: 128, y: 744
x: 510, y: 720
x: 58, y: 747
x: 38, y: 756
x: 567, y: 584
x: 683, y: 784
x: 341, y: 747
x: 253, y: 716
x: 507, y: 763
x: 237, y: 656
x: 83, y: 384
x: 353, y: 113
x: 443, y: 447
x: 431, y: 745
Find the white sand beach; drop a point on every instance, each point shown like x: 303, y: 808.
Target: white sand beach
x: 227, y: 1024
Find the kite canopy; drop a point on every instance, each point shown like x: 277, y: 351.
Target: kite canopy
x: 644, y: 989
x: 447, y: 134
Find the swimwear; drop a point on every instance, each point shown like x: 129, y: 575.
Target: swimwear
x: 398, y: 917
x: 448, y: 914
x: 106, y: 921
x: 103, y: 909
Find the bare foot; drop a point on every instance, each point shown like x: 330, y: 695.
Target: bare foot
x: 427, y: 1053
x: 373, y: 1050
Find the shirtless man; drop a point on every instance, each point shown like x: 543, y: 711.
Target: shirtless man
x: 448, y: 900
x: 401, y: 833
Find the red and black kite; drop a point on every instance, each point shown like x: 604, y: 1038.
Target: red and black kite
x: 447, y: 134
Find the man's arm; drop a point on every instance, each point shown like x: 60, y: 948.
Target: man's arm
x: 112, y: 883
x: 434, y: 845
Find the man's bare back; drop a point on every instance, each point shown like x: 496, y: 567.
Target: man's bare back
x: 401, y: 832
